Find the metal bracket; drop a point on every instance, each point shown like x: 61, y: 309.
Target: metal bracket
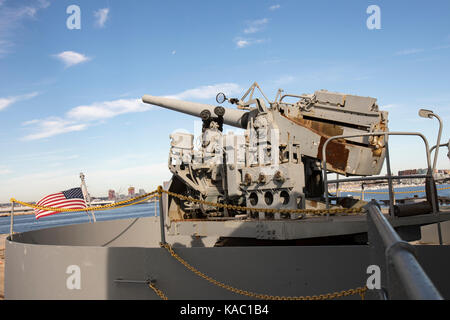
x: 148, y: 281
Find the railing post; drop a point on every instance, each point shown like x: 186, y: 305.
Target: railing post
x: 337, y: 185
x: 389, y: 176
x: 161, y: 216
x: 362, y: 191
x: 11, y: 229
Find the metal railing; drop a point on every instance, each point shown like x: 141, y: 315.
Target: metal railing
x: 402, y: 276
x: 389, y: 177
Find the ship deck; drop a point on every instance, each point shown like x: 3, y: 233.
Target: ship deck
x: 308, y: 227
x: 117, y: 257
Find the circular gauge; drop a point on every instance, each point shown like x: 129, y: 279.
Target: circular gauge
x: 220, y: 98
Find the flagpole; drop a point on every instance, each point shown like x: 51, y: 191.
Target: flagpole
x: 86, y: 196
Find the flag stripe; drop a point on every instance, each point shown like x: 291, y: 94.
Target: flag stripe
x: 50, y: 200
x: 49, y: 196
x: 64, y: 204
x: 56, y: 203
x: 46, y: 213
x: 67, y: 206
x: 69, y: 199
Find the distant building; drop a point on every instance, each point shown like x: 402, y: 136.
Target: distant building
x: 407, y: 172
x: 141, y: 192
x: 111, y: 195
x: 131, y: 191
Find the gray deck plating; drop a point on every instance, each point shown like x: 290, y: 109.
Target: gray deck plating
x: 37, y: 261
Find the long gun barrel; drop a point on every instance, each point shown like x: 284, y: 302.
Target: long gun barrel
x: 232, y: 117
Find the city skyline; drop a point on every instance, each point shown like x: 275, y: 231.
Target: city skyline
x: 70, y: 93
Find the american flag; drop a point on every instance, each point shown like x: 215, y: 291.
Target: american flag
x: 69, y: 199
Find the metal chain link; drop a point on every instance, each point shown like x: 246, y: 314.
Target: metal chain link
x: 361, y: 290
x: 157, y: 291
x: 319, y: 212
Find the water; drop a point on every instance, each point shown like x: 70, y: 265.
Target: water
x: 25, y: 223
x: 28, y: 222
x: 417, y: 190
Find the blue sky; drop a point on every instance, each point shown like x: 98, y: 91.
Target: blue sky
x: 69, y: 99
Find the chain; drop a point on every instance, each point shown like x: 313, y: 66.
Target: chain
x: 319, y: 212
x: 157, y: 291
x: 160, y: 191
x: 116, y: 205
x: 361, y: 290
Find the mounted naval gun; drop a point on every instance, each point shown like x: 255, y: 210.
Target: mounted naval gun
x: 277, y: 162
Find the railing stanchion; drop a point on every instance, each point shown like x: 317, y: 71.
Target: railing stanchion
x: 11, y: 228
x: 161, y: 216
x: 389, y: 176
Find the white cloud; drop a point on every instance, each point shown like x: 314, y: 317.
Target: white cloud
x: 101, y: 15
x: 71, y: 58
x: 274, y: 7
x: 12, y: 18
x: 51, y: 127
x: 284, y: 80
x: 3, y: 169
x: 255, y: 26
x: 207, y: 92
x: 408, y: 52
x: 390, y: 106
x: 78, y: 118
x: 6, y: 102
x: 174, y: 52
x: 445, y: 46
x: 242, y: 43
x: 107, y: 109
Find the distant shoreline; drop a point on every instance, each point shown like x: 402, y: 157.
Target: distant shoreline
x: 384, y: 186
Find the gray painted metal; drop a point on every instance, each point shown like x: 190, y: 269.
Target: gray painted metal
x: 403, y: 275
x: 311, y: 227
x: 161, y: 219
x: 36, y: 264
x: 111, y: 253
